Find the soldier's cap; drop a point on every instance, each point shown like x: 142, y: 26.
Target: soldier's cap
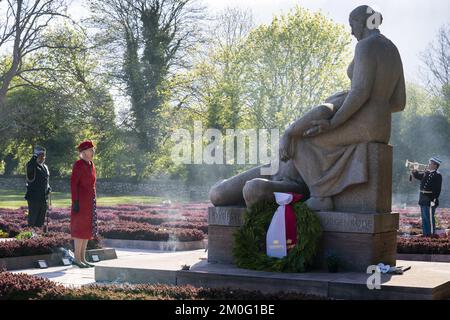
x: 436, y: 160
x: 39, y: 150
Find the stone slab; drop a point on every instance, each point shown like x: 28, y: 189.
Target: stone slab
x: 424, y: 280
x: 134, y: 275
x: 332, y: 221
x: 103, y: 254
x: 220, y: 243
x: 25, y: 262
x: 424, y: 257
x: 358, y: 239
x: 226, y: 216
x: 155, y: 245
x: 357, y: 251
x: 375, y: 195
x: 69, y: 276
x: 72, y: 276
x: 133, y: 267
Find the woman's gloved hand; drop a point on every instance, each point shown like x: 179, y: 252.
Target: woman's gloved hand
x: 76, y: 206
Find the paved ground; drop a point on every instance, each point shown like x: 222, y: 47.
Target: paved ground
x: 74, y: 276
x: 425, y: 280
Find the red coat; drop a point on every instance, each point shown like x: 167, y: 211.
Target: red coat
x: 82, y: 185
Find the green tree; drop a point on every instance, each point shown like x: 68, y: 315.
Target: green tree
x: 67, y: 102
x: 263, y: 77
x: 418, y: 132
x: 437, y: 60
x: 292, y: 65
x: 153, y: 37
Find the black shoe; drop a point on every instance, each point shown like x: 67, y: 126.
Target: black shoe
x: 79, y: 264
x: 88, y: 264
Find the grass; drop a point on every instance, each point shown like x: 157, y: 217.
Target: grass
x: 13, y: 199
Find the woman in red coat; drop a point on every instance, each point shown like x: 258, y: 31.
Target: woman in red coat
x: 83, y: 217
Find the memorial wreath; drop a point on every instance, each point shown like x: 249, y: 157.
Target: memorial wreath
x: 250, y: 240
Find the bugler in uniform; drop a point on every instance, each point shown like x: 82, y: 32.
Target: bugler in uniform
x: 430, y: 189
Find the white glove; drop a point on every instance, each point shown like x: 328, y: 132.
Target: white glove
x: 384, y: 268
x: 433, y: 203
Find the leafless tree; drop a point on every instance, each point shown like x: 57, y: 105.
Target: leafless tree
x: 147, y: 43
x: 21, y: 35
x: 437, y: 60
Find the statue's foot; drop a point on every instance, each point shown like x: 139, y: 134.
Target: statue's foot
x: 320, y: 204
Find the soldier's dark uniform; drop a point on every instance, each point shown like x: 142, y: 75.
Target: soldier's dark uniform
x: 430, y: 189
x: 38, y: 189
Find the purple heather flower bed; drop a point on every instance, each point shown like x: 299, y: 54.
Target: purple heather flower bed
x: 188, y: 222
x: 411, y: 223
x: 133, y: 222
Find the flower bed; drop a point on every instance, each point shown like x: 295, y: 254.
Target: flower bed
x: 27, y: 287
x: 56, y: 226
x: 129, y: 222
x: 419, y: 245
x: 42, y: 244
x: 203, y: 226
x: 154, y: 219
x: 10, y: 228
x: 410, y: 222
x: 139, y: 231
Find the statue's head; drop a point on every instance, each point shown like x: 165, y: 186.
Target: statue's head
x: 364, y: 18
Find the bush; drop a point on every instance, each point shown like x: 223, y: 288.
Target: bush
x: 154, y: 219
x: 42, y: 244
x: 423, y: 245
x: 12, y: 229
x: 203, y: 226
x: 139, y: 231
x: 30, y: 247
x: 104, y: 215
x: 62, y: 227
x: 59, y: 214
x: 25, y: 235
x: 26, y: 287
x: 134, y: 222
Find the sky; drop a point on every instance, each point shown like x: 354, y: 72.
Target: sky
x: 410, y: 24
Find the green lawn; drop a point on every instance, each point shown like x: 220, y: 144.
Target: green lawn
x: 13, y: 199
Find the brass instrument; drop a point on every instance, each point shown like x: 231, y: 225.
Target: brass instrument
x: 415, y: 166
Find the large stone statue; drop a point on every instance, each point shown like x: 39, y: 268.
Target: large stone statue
x: 326, y: 151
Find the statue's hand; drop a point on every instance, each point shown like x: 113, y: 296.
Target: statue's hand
x: 318, y: 127
x: 285, y: 147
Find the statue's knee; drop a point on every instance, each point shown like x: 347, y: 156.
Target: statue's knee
x: 255, y: 188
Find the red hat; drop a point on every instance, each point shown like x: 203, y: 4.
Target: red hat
x: 85, y: 145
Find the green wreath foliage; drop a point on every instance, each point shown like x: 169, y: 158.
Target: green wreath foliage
x: 250, y: 240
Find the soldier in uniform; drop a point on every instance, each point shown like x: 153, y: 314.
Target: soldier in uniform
x: 430, y: 189
x: 38, y: 188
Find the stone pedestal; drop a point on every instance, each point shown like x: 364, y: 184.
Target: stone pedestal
x: 222, y: 223
x: 358, y: 239
x: 375, y: 196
